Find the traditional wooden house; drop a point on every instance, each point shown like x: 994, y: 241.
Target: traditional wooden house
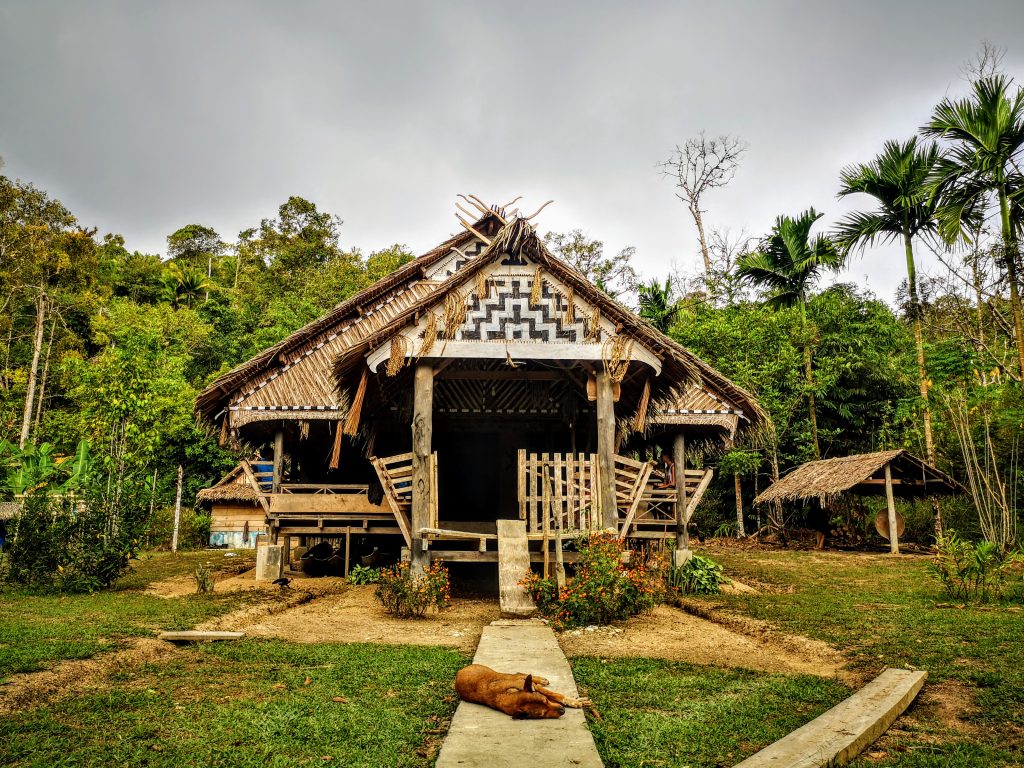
x: 485, y: 380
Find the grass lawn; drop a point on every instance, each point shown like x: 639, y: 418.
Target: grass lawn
x: 39, y: 628
x: 247, y: 704
x: 885, y: 611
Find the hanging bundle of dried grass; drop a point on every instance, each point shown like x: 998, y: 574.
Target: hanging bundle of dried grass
x: 303, y: 429
x: 537, y: 289
x: 616, y: 353
x: 454, y: 314
x: 336, y: 448
x: 399, y: 350
x: 233, y: 441
x: 224, y: 430
x: 355, y: 410
x: 640, y: 420
x: 570, y: 307
x: 429, y: 335
x: 594, y: 325
x: 483, y: 286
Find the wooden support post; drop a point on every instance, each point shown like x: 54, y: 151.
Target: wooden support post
x: 278, y: 459
x: 177, y: 511
x: 287, y: 553
x: 682, y: 518
x: 348, y: 547
x: 606, y: 452
x: 422, y: 429
x: 894, y: 542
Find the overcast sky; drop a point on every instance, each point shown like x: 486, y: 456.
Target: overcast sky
x: 146, y: 116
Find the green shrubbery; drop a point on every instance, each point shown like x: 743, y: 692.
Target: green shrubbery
x: 361, y: 575
x: 603, y: 588
x: 407, y: 596
x: 70, y: 545
x: 697, y: 576
x: 972, y: 571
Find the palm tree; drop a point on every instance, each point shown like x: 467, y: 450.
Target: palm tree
x: 183, y: 286
x: 656, y: 306
x: 984, y: 162
x: 787, y: 264
x: 897, y: 179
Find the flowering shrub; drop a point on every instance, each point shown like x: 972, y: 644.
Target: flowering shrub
x: 603, y: 589
x: 406, y: 596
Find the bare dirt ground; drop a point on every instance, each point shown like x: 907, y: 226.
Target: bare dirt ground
x: 351, y: 614
x: 31, y: 689
x: 673, y: 634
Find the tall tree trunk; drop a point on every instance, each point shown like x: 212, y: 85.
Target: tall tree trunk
x: 698, y: 219
x: 42, y: 381
x: 811, y: 407
x: 740, y: 533
x: 37, y: 348
x: 1010, y: 258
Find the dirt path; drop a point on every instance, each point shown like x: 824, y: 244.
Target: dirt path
x: 352, y: 615
x: 673, y: 634
x: 32, y: 689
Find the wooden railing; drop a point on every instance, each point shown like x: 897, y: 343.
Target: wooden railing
x: 557, y: 493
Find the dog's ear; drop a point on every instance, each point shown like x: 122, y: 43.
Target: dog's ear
x: 528, y: 685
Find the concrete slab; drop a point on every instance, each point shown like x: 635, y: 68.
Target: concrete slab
x: 480, y: 736
x: 513, y: 565
x: 269, y: 562
x: 198, y: 636
x: 840, y: 734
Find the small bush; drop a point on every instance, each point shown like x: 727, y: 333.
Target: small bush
x: 406, y: 596
x: 361, y: 574
x: 603, y: 589
x: 697, y: 576
x: 204, y: 579
x: 969, y: 570
x: 70, y: 545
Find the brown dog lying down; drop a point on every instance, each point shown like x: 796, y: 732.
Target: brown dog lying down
x: 521, y: 696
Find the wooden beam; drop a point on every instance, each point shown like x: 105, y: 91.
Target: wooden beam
x: 422, y: 436
x: 504, y: 375
x: 606, y: 451
x: 894, y: 543
x: 278, y: 458
x: 679, y: 457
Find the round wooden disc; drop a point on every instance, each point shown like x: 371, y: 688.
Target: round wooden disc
x: 882, y: 524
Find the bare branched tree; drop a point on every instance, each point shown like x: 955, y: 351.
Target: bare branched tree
x: 988, y: 62
x: 699, y: 165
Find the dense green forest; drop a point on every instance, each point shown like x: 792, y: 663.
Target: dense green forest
x: 110, y: 345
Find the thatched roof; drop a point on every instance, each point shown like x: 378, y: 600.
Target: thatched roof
x: 232, y: 488
x: 369, y: 320
x: 9, y: 509
x: 862, y: 474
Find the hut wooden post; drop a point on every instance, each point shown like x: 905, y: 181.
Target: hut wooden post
x: 606, y: 451
x: 740, y: 533
x: 894, y: 543
x: 278, y: 459
x: 679, y: 457
x: 422, y: 428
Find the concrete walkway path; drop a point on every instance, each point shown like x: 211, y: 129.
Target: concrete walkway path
x: 480, y: 736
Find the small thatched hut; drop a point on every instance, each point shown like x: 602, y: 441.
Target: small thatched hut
x: 893, y: 474
x: 237, y: 513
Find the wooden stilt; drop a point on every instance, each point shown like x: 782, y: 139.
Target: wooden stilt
x: 278, y: 459
x: 606, y: 451
x: 422, y: 430
x: 348, y: 544
x: 682, y: 517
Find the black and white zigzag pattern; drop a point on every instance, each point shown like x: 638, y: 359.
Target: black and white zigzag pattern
x: 506, y: 314
x: 448, y: 267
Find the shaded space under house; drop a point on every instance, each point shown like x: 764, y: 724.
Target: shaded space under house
x: 894, y: 474
x: 484, y: 380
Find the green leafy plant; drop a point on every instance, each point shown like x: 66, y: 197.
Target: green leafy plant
x: 603, y: 588
x: 410, y: 596
x: 203, y: 576
x: 971, y: 570
x: 697, y: 576
x: 361, y: 575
